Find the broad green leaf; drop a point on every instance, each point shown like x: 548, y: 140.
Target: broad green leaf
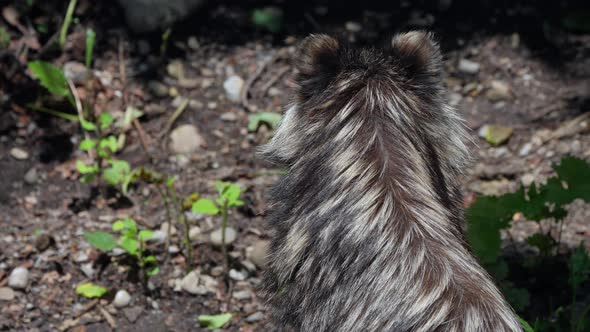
x: 90, y: 40
x: 221, y: 186
x: 87, y: 178
x: 214, y: 322
x: 145, y: 235
x: 527, y: 327
x: 105, y: 120
x: 130, y: 245
x: 270, y: 18
x: 270, y: 119
x: 205, y: 206
x: 87, y: 125
x: 90, y: 290
x: 152, y: 272
x: 150, y: 260
x: 232, y: 193
x: 109, y: 142
x: 125, y: 224
x: 86, y: 169
x: 101, y: 240
x: 544, y: 242
x: 87, y: 144
x: 497, y: 135
x: 117, y: 172
x: 51, y: 77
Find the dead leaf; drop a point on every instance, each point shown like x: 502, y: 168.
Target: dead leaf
x: 12, y: 16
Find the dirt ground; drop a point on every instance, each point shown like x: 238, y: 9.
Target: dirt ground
x: 532, y: 76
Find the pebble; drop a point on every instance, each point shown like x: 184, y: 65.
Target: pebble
x: 197, y: 284
x: 498, y: 91
x: 237, y: 275
x: 158, y: 89
x: 75, y: 71
x: 230, y: 236
x: 164, y: 228
x: 186, y: 139
x: 31, y: 176
x: 133, y: 313
x: 274, y: 92
x: 258, y: 252
x: 468, y: 66
x: 81, y: 257
x: 255, y: 317
x: 6, y: 294
x: 525, y: 149
x: 19, y: 278
x: 87, y: 269
x: 353, y: 26
x: 251, y: 267
x: 173, y: 249
x: 527, y: 179
x: 194, y: 233
x: 242, y: 295
x: 122, y: 299
x: 158, y: 236
x: 193, y: 43
x: 233, y: 88
x: 19, y: 154
x: 229, y: 116
x: 455, y: 98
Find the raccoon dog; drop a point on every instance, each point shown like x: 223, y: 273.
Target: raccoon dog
x: 366, y: 226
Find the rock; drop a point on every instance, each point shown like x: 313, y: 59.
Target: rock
x: 193, y: 43
x: 158, y: 89
x: 251, y: 267
x: 132, y: 313
x: 258, y: 253
x: 229, y: 116
x: 31, y: 176
x: 88, y: 270
x: 242, y: 295
x: 197, y: 284
x: 173, y: 249
x: 75, y: 71
x: 527, y: 179
x: 122, y: 299
x: 233, y: 88
x: 81, y: 257
x: 44, y: 241
x: 455, y: 99
x: 186, y: 139
x: 352, y: 26
x: 175, y: 69
x: 230, y: 236
x: 194, y: 233
x: 495, y: 134
x: 19, y: 154
x: 498, y: 91
x: 274, y: 92
x: 19, y: 278
x: 468, y: 66
x: 217, y: 271
x: 158, y: 236
x: 6, y: 294
x: 255, y: 317
x: 237, y: 275
x: 525, y: 150
x: 164, y: 228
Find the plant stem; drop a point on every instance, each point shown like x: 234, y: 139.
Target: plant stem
x: 67, y: 21
x: 181, y: 218
x: 223, y: 244
x: 168, y: 217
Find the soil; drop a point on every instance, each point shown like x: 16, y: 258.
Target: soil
x: 545, y: 67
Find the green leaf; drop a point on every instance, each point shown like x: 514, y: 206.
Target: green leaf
x: 579, y: 266
x: 125, y: 224
x: 90, y: 290
x: 527, y: 327
x: 272, y: 120
x: 152, y: 272
x: 270, y: 18
x: 232, y: 194
x: 130, y: 245
x: 221, y: 186
x: 170, y: 181
x: 101, y: 240
x: 109, y: 142
x: 51, y: 77
x: 87, y: 144
x: 117, y: 172
x: 150, y: 260
x: 145, y: 235
x: 86, y: 169
x: 205, y: 206
x: 542, y: 241
x: 87, y: 125
x: 105, y: 120
x: 88, y: 178
x: 214, y: 322
x: 90, y: 40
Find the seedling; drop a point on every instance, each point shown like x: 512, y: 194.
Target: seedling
x: 131, y: 240
x: 67, y: 21
x: 228, y: 197
x: 214, y: 322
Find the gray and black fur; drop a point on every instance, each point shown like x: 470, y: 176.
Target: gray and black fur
x: 367, y: 223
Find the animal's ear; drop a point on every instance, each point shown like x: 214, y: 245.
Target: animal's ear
x: 418, y: 56
x: 317, y: 61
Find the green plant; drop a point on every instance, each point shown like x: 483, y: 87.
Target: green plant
x: 489, y: 215
x: 228, y: 197
x: 269, y: 119
x: 66, y: 23
x: 90, y: 290
x: 214, y: 322
x: 4, y: 38
x: 131, y: 240
x: 269, y: 18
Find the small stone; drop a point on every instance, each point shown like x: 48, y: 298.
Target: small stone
x: 498, y: 91
x: 175, y: 69
x: 525, y: 150
x: 75, y: 71
x: 6, y: 294
x: 19, y: 278
x: 19, y: 154
x: 44, y: 241
x: 217, y: 271
x: 230, y: 236
x: 158, y: 236
x: 455, y: 99
x: 31, y: 176
x: 173, y: 249
x: 242, y: 295
x: 274, y: 92
x: 193, y: 43
x: 87, y: 269
x: 81, y: 257
x: 229, y: 116
x: 158, y: 89
x: 197, y: 284
x: 233, y: 88
x: 194, y: 233
x: 353, y: 26
x: 122, y: 299
x: 186, y: 139
x: 164, y: 228
x: 237, y: 275
x: 468, y: 66
x: 258, y: 253
x: 132, y: 313
x: 255, y: 317
x: 251, y: 267
x: 527, y: 179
